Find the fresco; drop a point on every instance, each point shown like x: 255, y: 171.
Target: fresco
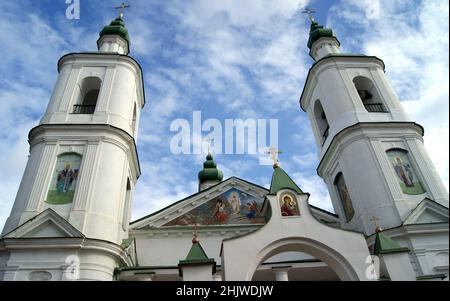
x: 232, y: 207
x: 345, y: 197
x: 406, y: 176
x: 289, y: 206
x: 64, y: 179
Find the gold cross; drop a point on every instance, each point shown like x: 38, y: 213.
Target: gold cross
x: 122, y: 8
x: 375, y: 220
x: 195, y: 238
x: 274, y: 152
x: 310, y: 14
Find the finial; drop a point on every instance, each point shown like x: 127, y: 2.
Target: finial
x: 310, y: 14
x: 122, y: 8
x: 375, y: 220
x: 195, y: 239
x: 274, y: 152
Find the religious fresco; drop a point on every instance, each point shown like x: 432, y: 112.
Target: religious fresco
x: 345, y: 197
x: 232, y: 207
x: 405, y: 173
x: 64, y: 179
x: 289, y: 206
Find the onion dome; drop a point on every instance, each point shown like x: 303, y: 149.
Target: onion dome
x: 117, y: 27
x: 210, y: 172
x: 318, y: 31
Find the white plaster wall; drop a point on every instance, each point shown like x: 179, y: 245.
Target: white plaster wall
x: 197, y: 273
x: 162, y: 250
x: 94, y: 266
x: 25, y: 187
x: 121, y: 89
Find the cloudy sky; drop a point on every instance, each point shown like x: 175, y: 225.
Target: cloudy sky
x: 228, y: 59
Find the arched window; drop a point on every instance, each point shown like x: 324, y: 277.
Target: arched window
x: 369, y: 95
x: 133, y: 122
x: 126, y: 206
x: 344, y: 196
x: 88, y: 96
x: 65, y: 178
x: 321, y: 121
x: 406, y: 175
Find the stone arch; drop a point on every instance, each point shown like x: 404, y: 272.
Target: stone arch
x: 325, y: 253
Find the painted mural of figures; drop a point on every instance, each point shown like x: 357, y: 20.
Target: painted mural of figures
x: 235, y: 203
x: 347, y: 202
x: 252, y: 210
x: 220, y: 212
x: 404, y: 172
x: 65, y: 179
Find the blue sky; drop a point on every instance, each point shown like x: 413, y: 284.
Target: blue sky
x: 228, y: 59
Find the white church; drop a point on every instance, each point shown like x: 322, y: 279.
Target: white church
x: 71, y: 217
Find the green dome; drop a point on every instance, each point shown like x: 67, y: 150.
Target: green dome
x: 318, y: 31
x: 117, y: 27
x: 210, y: 171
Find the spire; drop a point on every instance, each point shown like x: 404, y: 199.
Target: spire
x: 196, y: 257
x: 281, y: 180
x: 384, y: 245
x: 210, y: 175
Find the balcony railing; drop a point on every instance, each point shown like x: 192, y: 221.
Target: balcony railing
x: 83, y: 109
x: 375, y: 108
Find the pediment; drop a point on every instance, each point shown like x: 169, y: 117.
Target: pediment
x: 47, y: 224
x: 428, y: 212
x: 231, y: 202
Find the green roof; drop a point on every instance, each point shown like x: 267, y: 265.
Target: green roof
x: 318, y: 31
x: 117, y: 27
x: 281, y: 180
x: 127, y: 242
x: 210, y: 171
x: 196, y: 255
x: 385, y: 245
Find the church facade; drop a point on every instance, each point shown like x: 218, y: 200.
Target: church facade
x: 71, y: 217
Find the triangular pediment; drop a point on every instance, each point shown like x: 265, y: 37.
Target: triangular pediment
x: 231, y: 202
x: 428, y: 212
x: 47, y: 224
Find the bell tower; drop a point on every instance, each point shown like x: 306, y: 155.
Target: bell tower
x: 83, y: 164
x: 371, y: 154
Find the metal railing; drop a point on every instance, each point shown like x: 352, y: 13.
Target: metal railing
x: 375, y: 108
x: 83, y: 109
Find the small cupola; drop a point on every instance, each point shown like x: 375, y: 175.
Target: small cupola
x: 210, y: 175
x: 114, y: 38
x: 322, y: 41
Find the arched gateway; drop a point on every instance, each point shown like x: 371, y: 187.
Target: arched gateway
x: 292, y: 228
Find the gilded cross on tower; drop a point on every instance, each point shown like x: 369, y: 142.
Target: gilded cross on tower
x: 122, y: 8
x: 274, y: 152
x: 195, y: 238
x: 375, y: 221
x: 310, y: 13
